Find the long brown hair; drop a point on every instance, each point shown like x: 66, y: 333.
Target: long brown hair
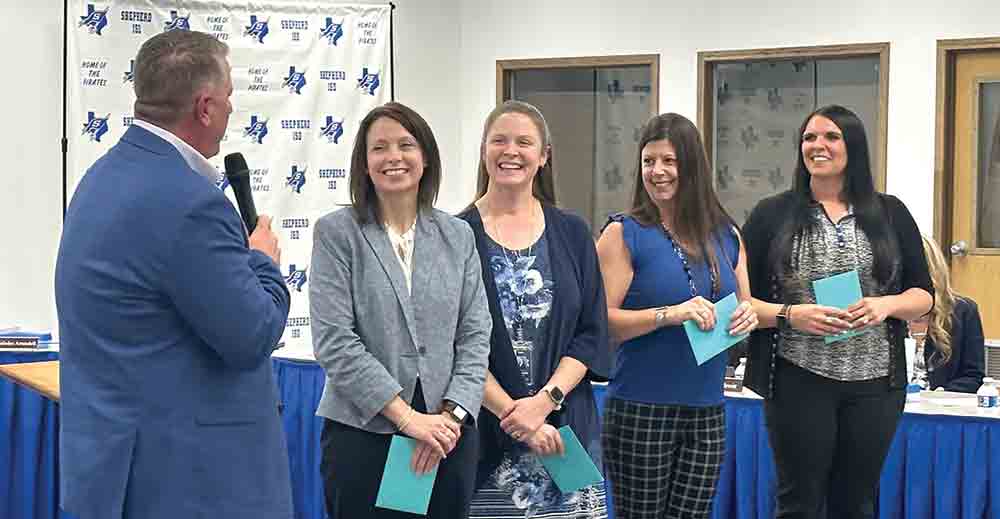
x: 859, y: 192
x: 939, y: 320
x: 698, y: 214
x: 543, y: 186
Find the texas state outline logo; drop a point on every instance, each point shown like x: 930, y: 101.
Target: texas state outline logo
x: 95, y: 127
x: 177, y: 23
x: 257, y: 28
x: 95, y: 20
x: 332, y: 31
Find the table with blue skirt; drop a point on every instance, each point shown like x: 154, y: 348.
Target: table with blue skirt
x: 939, y: 466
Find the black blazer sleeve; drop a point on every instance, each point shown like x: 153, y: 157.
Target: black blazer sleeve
x: 758, y: 231
x: 968, y: 348
x: 915, y: 272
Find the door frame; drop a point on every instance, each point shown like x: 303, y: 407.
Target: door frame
x: 948, y: 51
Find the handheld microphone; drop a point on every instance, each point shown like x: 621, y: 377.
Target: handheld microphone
x: 239, y: 177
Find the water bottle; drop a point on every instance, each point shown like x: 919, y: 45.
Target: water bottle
x: 987, y: 395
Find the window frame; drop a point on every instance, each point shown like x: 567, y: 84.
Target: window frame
x: 707, y: 60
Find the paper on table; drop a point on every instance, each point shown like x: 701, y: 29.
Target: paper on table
x: 401, y: 488
x: 910, y: 347
x: 840, y: 291
x: 573, y: 470
x: 706, y: 345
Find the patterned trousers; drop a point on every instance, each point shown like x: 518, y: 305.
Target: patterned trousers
x: 663, y: 460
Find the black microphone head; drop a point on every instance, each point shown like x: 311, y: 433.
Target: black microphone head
x: 235, y: 164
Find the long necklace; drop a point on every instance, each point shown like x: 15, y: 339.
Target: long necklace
x: 687, y: 267
x: 503, y: 249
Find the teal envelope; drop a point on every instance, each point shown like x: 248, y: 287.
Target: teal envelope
x: 573, y: 470
x: 706, y: 345
x: 839, y: 291
x: 401, y: 488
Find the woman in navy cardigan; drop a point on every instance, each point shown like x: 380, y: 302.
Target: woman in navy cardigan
x: 950, y: 346
x: 549, y: 337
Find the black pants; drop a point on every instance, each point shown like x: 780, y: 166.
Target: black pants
x: 352, y: 462
x: 829, y: 439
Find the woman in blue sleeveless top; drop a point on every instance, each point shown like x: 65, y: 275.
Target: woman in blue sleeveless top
x: 668, y: 260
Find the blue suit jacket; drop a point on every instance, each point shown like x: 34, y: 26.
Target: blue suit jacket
x: 167, y: 322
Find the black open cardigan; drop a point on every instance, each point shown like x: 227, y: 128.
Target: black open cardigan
x: 759, y: 233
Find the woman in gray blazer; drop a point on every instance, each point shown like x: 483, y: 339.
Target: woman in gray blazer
x: 400, y: 324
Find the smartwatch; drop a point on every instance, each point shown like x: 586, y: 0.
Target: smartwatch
x: 455, y: 411
x: 556, y: 395
x: 782, y: 317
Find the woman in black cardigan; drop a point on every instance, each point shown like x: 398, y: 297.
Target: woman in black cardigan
x: 832, y: 408
x: 950, y: 346
x: 550, y: 324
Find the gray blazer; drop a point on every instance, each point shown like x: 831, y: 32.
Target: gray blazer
x: 373, y: 339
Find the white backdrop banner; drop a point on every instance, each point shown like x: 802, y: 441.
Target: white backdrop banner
x: 304, y: 75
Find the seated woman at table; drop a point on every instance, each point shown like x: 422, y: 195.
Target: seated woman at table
x: 950, y: 348
x: 399, y: 324
x: 668, y: 260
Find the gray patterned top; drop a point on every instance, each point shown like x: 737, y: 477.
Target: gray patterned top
x: 834, y: 248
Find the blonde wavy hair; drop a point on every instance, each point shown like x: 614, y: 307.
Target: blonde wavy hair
x: 939, y: 318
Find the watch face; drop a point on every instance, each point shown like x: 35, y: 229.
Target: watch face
x: 557, y: 394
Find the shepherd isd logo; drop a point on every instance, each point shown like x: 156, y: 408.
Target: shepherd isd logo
x: 297, y: 179
x: 222, y: 182
x: 295, y: 278
x: 130, y: 73
x: 368, y: 82
x: 177, y: 23
x: 332, y: 130
x: 295, y: 81
x: 332, y: 32
x: 95, y: 127
x: 94, y: 20
x: 257, y: 129
x: 256, y: 29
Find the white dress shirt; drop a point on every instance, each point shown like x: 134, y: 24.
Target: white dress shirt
x: 193, y: 157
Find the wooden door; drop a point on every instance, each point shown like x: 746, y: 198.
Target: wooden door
x: 975, y: 187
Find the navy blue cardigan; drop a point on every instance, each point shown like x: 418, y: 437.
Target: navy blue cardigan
x: 966, y: 368
x: 578, y: 328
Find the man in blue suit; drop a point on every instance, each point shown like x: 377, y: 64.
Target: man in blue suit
x: 168, y: 314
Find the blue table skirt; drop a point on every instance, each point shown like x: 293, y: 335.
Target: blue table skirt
x: 939, y: 467
x: 29, y: 425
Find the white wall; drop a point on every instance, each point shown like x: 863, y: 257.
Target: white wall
x: 678, y: 30
x: 445, y: 65
x: 31, y: 176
